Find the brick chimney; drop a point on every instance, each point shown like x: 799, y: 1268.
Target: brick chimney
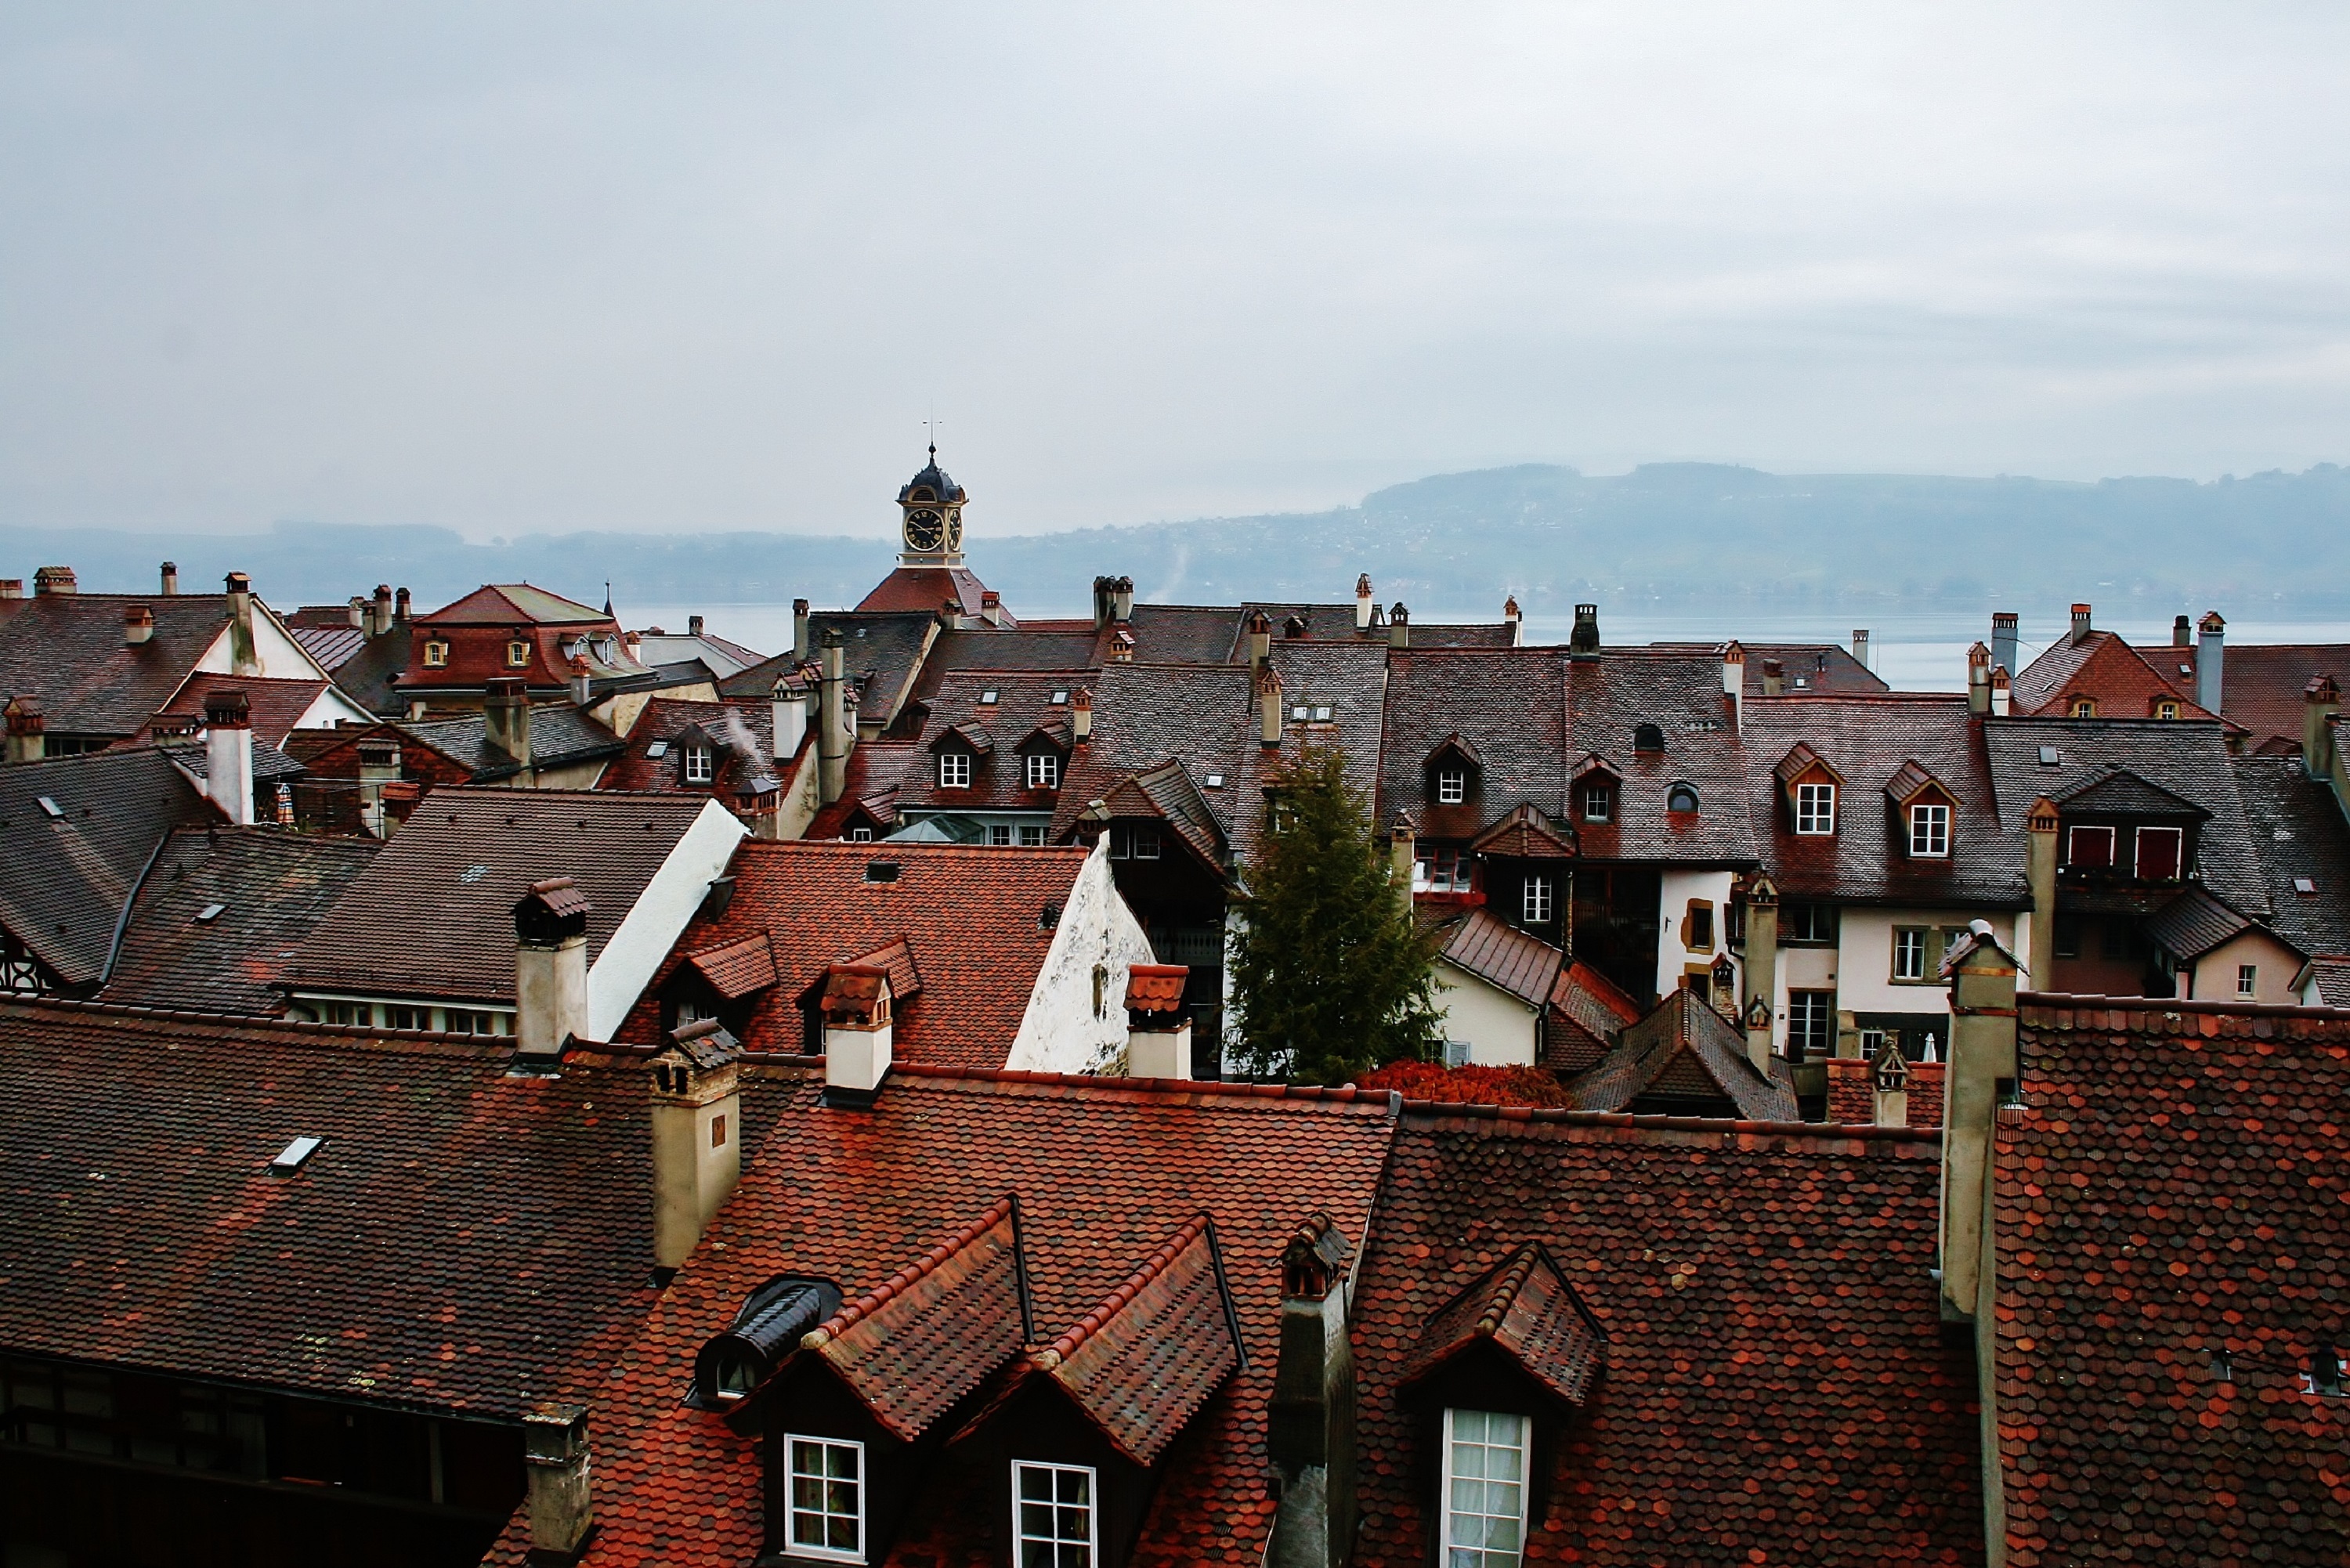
x: 1399, y: 625
x: 243, y: 656
x: 505, y: 719
x: 2002, y: 693
x: 1081, y: 714
x: 1860, y: 646
x: 1516, y: 620
x: 2321, y: 699
x: 228, y: 753
x: 550, y: 969
x: 138, y: 624
x: 52, y: 581
x: 2210, y: 650
x: 787, y: 713
x: 1733, y: 684
x: 1761, y: 970
x: 1157, y: 1026
x: 1774, y: 677
x: 1268, y: 706
x: 379, y: 610
x: 1259, y: 638
x: 1402, y: 859
x: 1981, y: 1073
x: 2081, y: 627
x: 1978, y: 678
x: 2003, y: 634
x: 2181, y: 631
x: 2040, y: 878
x: 1586, y: 636
x: 833, y: 735
x: 1364, y: 603
x: 27, y: 730
x: 697, y: 1135
x: 1311, y: 1434
x: 857, y: 1031
x: 555, y: 1495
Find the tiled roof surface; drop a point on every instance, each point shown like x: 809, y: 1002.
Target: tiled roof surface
x: 2194, y: 923
x: 1608, y: 697
x: 269, y: 764
x: 1526, y: 1309
x: 2118, y: 677
x: 1350, y: 679
x: 869, y: 783
x: 739, y: 968
x: 560, y: 733
x: 460, y: 1236
x: 1022, y: 707
x: 714, y: 653
x: 505, y: 604
x: 2190, y: 759
x: 1504, y: 957
x: 1025, y: 648
x: 971, y: 916
x: 331, y: 646
x: 276, y: 706
x: 1871, y: 742
x: 1820, y: 669
x: 63, y: 879
x: 2262, y: 685
x: 2173, y: 1188
x: 266, y: 888
x: 366, y: 676
x: 1527, y: 833
x: 1509, y: 706
x: 67, y: 650
x: 433, y: 915
x: 1145, y: 714
x: 1685, y: 1051
x: 742, y: 734
x: 1185, y: 634
x: 1588, y: 1012
x: 2299, y: 834
x: 1777, y: 1388
x: 1104, y: 1174
x: 2331, y: 973
x: 925, y: 588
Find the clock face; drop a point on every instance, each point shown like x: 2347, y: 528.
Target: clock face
x: 922, y: 531
x: 955, y: 528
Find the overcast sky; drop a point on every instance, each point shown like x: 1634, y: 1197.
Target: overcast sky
x: 512, y: 267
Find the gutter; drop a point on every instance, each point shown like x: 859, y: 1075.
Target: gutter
x: 129, y: 901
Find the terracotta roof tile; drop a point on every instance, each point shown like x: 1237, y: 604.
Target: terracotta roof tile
x: 1685, y: 1051
x: 1526, y: 1308
x: 67, y: 650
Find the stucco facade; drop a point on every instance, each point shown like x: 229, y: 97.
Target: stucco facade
x: 1499, y: 1030
x: 1076, y: 1021
x: 1675, y: 893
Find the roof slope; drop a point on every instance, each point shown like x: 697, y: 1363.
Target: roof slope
x: 67, y: 651
x: 505, y: 604
x: 1509, y: 959
x: 275, y: 706
x: 433, y: 915
x: 265, y: 888
x: 1509, y: 705
x: 559, y: 733
x: 2300, y: 836
x: 1770, y: 1320
x: 1684, y: 1050
x: 1608, y: 697
x: 1526, y: 1309
x: 2174, y: 1187
x: 742, y: 734
x: 2120, y: 679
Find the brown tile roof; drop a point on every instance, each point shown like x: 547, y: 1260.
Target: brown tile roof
x: 276, y: 706
x: 1770, y: 1319
x: 737, y: 969
x: 1155, y: 987
x: 67, y: 650
x: 505, y: 604
x: 560, y: 734
x: 63, y: 879
x: 331, y: 646
x: 743, y: 739
x: 2194, y: 923
x: 925, y: 588
x: 1587, y: 1013
x: 432, y: 916
x: 1509, y: 706
x: 366, y: 676
x: 2331, y: 974
x: 1608, y: 697
x: 1818, y: 669
x: 881, y: 654
x: 2171, y: 1189
x: 1023, y: 717
x: 1526, y: 1308
x: 1504, y: 957
x: 1527, y: 833
x: 222, y: 911
x: 2118, y: 677
x: 2302, y: 843
x: 868, y: 785
x: 1146, y: 714
x: 1684, y: 1052
x: 2264, y: 685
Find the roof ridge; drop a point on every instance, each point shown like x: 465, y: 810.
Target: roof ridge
x: 291, y: 1030
x: 1085, y: 1327
x: 2091, y: 1001
x: 853, y: 1313
x: 1528, y: 1118
x: 1148, y: 1087
x: 1512, y: 1279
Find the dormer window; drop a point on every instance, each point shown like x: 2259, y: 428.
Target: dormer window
x: 1043, y: 771
x: 1598, y: 803
x: 436, y: 654
x: 2160, y: 853
x: 1681, y: 797
x: 2084, y: 707
x: 1815, y: 809
x: 2165, y: 710
x: 2091, y: 848
x: 1451, y: 786
x: 954, y: 770
x: 699, y: 766
x: 1487, y: 1457
x: 518, y: 654
x: 827, y: 1503
x: 1053, y: 1515
x: 1929, y: 831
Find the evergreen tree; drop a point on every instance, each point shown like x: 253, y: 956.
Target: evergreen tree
x: 1330, y: 977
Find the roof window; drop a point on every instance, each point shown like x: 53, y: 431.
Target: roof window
x: 210, y: 912
x: 1681, y: 797
x: 2048, y: 757
x: 882, y: 870
x: 657, y: 749
x: 1215, y: 780
x: 472, y: 873
x: 987, y: 697
x: 1060, y: 698
x: 1322, y: 715
x: 52, y: 807
x: 292, y: 1157
x: 1647, y: 738
x: 2304, y: 884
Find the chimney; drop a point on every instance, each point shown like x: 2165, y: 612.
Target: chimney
x: 27, y: 728
x: 1586, y: 637
x: 1978, y: 678
x: 138, y: 624
x: 228, y: 753
x: 2211, y: 648
x: 831, y: 729
x: 1364, y: 604
x: 1121, y: 646
x: 1402, y: 859
x: 1081, y: 714
x: 1311, y: 1436
x: 555, y: 1495
x: 2002, y: 640
x: 1259, y: 638
x: 505, y: 720
x: 243, y: 660
x: 697, y: 1135
x: 1860, y: 646
x: 1733, y: 684
x: 2181, y: 631
x: 693, y: 624
x: 2040, y: 879
x: 12, y: 588
x: 800, y: 630
x: 1515, y: 620
x: 1774, y: 677
x: 1158, y: 1028
x: 787, y: 713
x: 1762, y: 971
x: 171, y: 579
x: 380, y: 615
x: 856, y: 1056
x: 51, y: 581
x: 1399, y: 625
x: 2002, y: 693
x: 2321, y: 700
x: 358, y: 615
x: 1104, y: 599
x: 990, y: 608
x: 550, y: 970
x: 1122, y: 607
x: 400, y: 602
x: 1268, y: 706
x: 1980, y: 1073
x: 582, y: 680
x: 1890, y: 1080
x: 2081, y: 628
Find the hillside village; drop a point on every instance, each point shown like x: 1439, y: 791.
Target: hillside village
x: 486, y: 1084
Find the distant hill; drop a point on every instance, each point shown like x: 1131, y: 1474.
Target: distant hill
x: 1664, y: 535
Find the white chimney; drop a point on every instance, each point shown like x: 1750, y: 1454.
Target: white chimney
x: 550, y: 969
x: 1860, y: 646
x: 789, y: 715
x: 171, y: 579
x: 1081, y: 714
x: 856, y: 1033
x: 1158, y: 1028
x: 1364, y: 604
x: 1733, y: 684
x: 697, y: 1135
x: 228, y: 753
x: 1978, y: 678
x: 2081, y: 627
x: 2210, y: 648
x: 138, y: 624
x: 1514, y: 619
x: 2002, y: 692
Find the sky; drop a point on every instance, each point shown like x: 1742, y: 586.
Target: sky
x: 522, y: 267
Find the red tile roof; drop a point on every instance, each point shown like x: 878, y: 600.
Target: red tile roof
x: 1504, y: 957
x: 1588, y: 1012
x: 1686, y: 1051
x: 1155, y: 987
x: 925, y: 588
x: 276, y: 706
x: 1526, y: 1308
x: 2173, y: 1188
x: 741, y: 736
x: 2118, y: 677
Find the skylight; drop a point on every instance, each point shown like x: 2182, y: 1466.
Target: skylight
x: 2048, y: 757
x: 291, y: 1157
x: 2304, y: 884
x: 657, y: 749
x: 472, y: 873
x: 52, y: 807
x: 1321, y: 715
x: 209, y: 913
x: 1215, y: 780
x: 1060, y: 698
x: 881, y: 870
x: 987, y: 697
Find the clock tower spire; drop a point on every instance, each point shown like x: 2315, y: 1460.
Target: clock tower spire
x: 931, y: 522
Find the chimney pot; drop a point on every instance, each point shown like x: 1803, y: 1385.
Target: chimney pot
x: 697, y: 1135
x: 2321, y: 702
x: 550, y: 969
x: 1364, y: 603
x: 1081, y: 714
x: 243, y: 659
x: 138, y: 624
x: 1268, y: 706
x: 2003, y: 624
x: 1860, y: 646
x: 26, y: 730
x: 1399, y: 625
x: 1774, y: 677
x: 1586, y: 636
x: 2182, y: 632
x: 1259, y: 638
x: 399, y: 606
x: 171, y: 578
x: 2081, y: 628
x: 2001, y: 691
x: 693, y: 626
x: 506, y: 721
x: 53, y: 580
x: 12, y: 588
x: 1124, y: 607
x: 1310, y: 1436
x: 856, y: 1007
x: 1978, y: 678
x: 1157, y: 1026
x: 228, y: 752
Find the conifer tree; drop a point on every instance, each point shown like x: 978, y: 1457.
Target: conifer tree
x: 1330, y: 977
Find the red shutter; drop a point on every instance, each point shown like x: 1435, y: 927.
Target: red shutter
x: 2092, y: 846
x: 2158, y: 854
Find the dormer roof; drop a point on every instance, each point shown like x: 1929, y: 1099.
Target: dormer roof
x: 1911, y: 780
x: 1525, y: 1309
x: 1686, y: 1050
x: 1455, y: 746
x: 2118, y: 790
x: 1802, y: 759
x: 1526, y: 833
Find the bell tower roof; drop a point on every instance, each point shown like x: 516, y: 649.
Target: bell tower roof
x: 932, y: 485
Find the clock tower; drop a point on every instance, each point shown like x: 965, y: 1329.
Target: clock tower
x: 930, y: 522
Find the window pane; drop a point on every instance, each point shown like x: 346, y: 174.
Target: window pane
x: 1485, y: 1464
x: 828, y: 1513
x: 1052, y: 1514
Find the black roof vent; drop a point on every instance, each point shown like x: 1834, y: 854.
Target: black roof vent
x: 732, y: 1366
x: 881, y: 870
x: 1049, y: 917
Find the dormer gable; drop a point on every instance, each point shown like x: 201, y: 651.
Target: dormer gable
x: 1925, y: 813
x: 1522, y: 1315
x: 1526, y: 833
x: 1810, y: 788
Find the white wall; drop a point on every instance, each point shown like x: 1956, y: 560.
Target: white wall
x: 1672, y: 903
x: 1498, y: 1028
x: 2215, y: 971
x: 280, y: 656
x: 1062, y: 1032
x: 652, y: 925
x: 1865, y: 959
x: 332, y: 708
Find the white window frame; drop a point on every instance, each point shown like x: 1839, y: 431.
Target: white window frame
x: 1475, y: 1553
x: 1145, y: 841
x: 436, y: 654
x: 999, y: 835
x: 2177, y: 858
x: 1537, y: 898
x: 1811, y: 1023
x: 1815, y: 809
x: 954, y: 770
x: 1020, y: 1538
x: 860, y: 835
x: 1904, y: 948
x: 2248, y: 980
x: 1032, y: 835
x: 1451, y: 785
x: 1044, y: 770
x: 2072, y: 847
x: 1929, y: 831
x: 793, y: 1513
x: 1598, y: 803
x: 701, y: 764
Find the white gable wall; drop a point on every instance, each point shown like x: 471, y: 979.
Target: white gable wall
x: 1498, y: 1029
x: 626, y: 965
x: 1063, y: 1030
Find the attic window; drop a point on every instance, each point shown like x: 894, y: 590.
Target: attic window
x: 1647, y: 738
x: 1451, y: 786
x: 698, y: 768
x: 52, y: 807
x: 2307, y: 885
x: 2048, y: 757
x: 1322, y: 715
x: 954, y: 770
x: 1814, y: 808
x: 1060, y: 698
x: 2165, y: 710
x: 658, y: 749
x: 881, y: 870
x: 292, y: 1157
x: 518, y: 654
x: 2084, y: 707
x: 987, y: 697
x: 210, y: 912
x: 436, y: 654
x: 1681, y: 797
x: 1301, y: 712
x: 1215, y: 780
x: 1487, y: 1457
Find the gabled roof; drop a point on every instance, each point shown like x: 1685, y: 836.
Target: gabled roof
x: 925, y: 588
x: 1504, y: 705
x: 276, y: 707
x: 1505, y: 958
x: 2193, y: 924
x: 1588, y: 1013
x: 998, y: 732
x: 1524, y: 1308
x: 741, y: 735
x: 2302, y: 843
x: 1167, y: 793
x: 736, y: 968
x: 1684, y: 1050
x: 2330, y: 972
x: 1912, y: 779
x: 1526, y: 833
x: 1455, y: 744
x: 67, y: 650
x: 1800, y: 760
x: 331, y: 646
x: 2112, y: 674
x: 2118, y: 789
x: 560, y: 734
x: 512, y: 604
x: 1608, y: 696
